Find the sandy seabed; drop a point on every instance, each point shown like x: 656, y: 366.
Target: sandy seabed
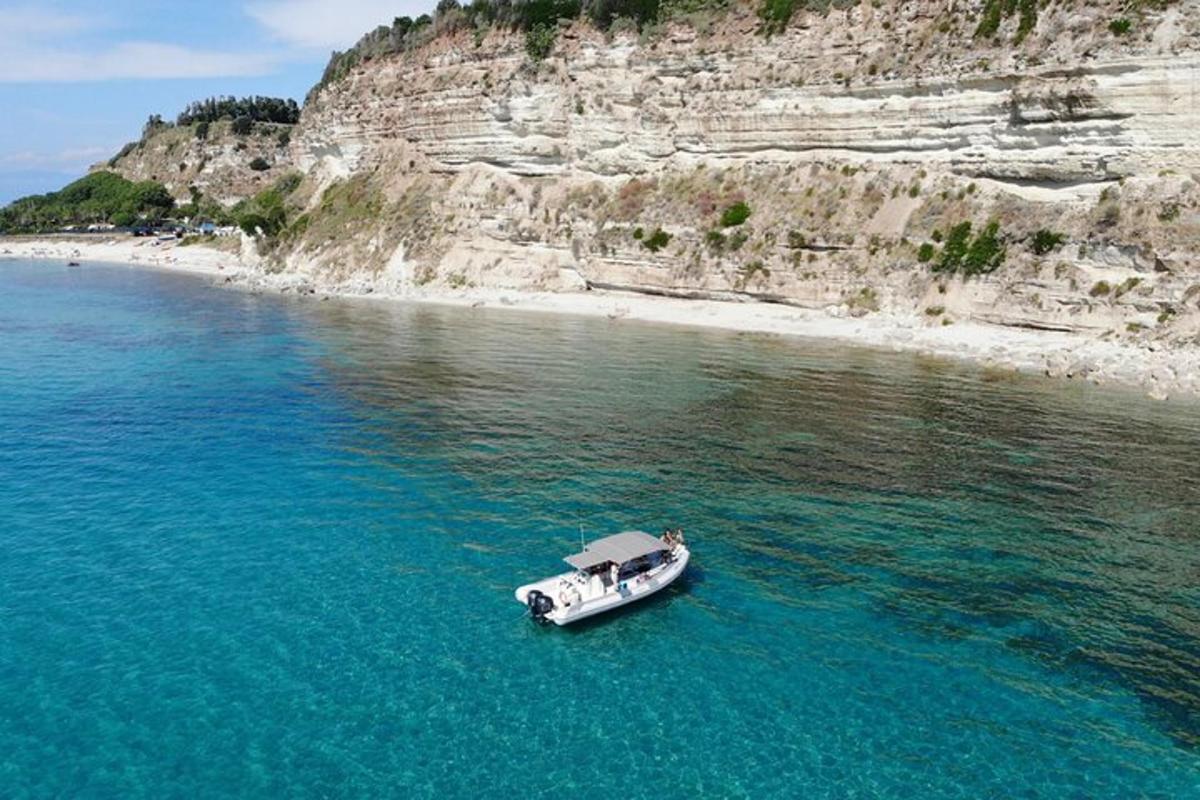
x: 1159, y: 371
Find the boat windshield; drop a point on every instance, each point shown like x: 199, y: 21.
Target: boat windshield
x: 639, y: 565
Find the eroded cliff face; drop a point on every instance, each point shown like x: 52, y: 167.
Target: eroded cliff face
x: 217, y: 165
x: 854, y: 138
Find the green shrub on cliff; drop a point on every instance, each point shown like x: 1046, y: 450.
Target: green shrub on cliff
x: 775, y: 15
x: 657, y: 240
x: 986, y: 253
x: 1126, y: 286
x: 865, y: 300
x: 970, y: 256
x: 755, y: 269
x: 125, y: 150
x: 996, y: 11
x: 603, y: 13
x: 735, y: 215
x: 539, y: 41
x: 1044, y: 241
x: 346, y: 207
x: 267, y: 211
x: 955, y: 248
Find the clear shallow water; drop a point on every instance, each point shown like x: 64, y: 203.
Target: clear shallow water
x: 252, y: 546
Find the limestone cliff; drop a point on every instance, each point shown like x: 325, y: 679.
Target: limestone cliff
x: 216, y: 164
x: 859, y: 141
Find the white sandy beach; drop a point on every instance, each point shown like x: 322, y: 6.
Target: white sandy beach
x: 124, y: 250
x: 1158, y: 371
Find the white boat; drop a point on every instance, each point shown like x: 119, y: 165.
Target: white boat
x: 610, y: 572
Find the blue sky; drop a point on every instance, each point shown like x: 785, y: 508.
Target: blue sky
x: 78, y: 80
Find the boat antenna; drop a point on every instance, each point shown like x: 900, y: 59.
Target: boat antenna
x: 582, y: 546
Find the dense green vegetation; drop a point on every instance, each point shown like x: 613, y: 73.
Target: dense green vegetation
x: 267, y: 211
x: 735, y: 215
x: 996, y: 11
x: 539, y: 41
x: 776, y: 14
x: 962, y: 253
x: 102, y: 197
x: 256, y: 109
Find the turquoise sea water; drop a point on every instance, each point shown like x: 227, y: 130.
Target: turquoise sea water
x: 264, y: 547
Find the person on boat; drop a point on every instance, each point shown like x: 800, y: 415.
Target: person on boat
x: 615, y: 573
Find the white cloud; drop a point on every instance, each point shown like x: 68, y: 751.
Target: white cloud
x: 326, y: 25
x: 69, y: 157
x: 128, y: 60
x: 27, y: 172
x: 22, y: 22
x: 41, y: 44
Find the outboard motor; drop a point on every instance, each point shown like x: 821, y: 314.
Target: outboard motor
x: 539, y: 605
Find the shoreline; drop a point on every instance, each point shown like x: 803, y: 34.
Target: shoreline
x: 121, y: 249
x: 1159, y: 374
x: 1155, y: 370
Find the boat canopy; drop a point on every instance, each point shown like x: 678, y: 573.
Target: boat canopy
x: 618, y: 548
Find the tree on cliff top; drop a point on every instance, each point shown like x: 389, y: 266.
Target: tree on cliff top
x: 257, y: 109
